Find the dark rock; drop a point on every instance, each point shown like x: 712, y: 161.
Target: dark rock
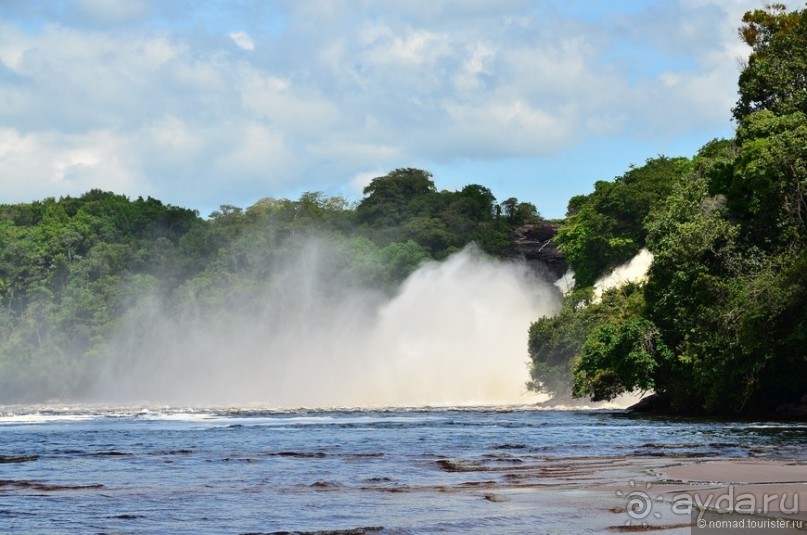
x: 7, y: 459
x: 534, y: 243
x: 6, y: 484
x: 793, y: 411
x: 653, y: 403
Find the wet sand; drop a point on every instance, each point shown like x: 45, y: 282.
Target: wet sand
x: 617, y: 494
x: 634, y: 494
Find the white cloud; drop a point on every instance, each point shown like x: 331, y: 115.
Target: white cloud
x: 52, y: 164
x: 361, y: 180
x: 301, y: 111
x: 242, y: 40
x: 504, y: 128
x: 158, y: 101
x: 475, y: 67
x: 172, y: 139
x: 258, y: 153
x: 413, y: 46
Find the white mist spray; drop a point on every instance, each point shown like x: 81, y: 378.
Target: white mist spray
x: 634, y: 270
x: 454, y: 334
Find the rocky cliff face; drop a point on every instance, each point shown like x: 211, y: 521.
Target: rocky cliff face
x: 534, y: 243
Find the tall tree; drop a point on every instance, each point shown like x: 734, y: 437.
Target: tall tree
x: 775, y: 77
x: 388, y: 197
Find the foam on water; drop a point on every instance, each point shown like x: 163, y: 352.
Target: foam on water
x: 39, y: 418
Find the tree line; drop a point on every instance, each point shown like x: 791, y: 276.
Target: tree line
x: 72, y: 269
x: 720, y: 326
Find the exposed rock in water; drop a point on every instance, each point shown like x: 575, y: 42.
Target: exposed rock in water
x: 654, y: 403
x: 7, y: 459
x: 793, y: 411
x: 534, y: 243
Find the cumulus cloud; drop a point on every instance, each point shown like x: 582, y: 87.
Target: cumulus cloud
x: 242, y: 40
x: 64, y: 164
x: 151, y: 98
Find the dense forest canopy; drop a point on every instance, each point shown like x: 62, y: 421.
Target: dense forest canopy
x: 721, y: 323
x: 73, y: 270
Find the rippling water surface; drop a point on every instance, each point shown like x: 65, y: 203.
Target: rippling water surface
x: 92, y: 470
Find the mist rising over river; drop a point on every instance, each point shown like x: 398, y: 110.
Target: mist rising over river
x: 454, y: 333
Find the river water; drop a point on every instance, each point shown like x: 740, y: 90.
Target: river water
x: 397, y: 471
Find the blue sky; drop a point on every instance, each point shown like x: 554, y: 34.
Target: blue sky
x: 234, y: 101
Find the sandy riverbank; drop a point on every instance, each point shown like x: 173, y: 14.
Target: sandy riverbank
x: 641, y: 494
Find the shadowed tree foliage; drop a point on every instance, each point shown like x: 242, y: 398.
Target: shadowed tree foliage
x: 723, y: 326
x: 619, y: 356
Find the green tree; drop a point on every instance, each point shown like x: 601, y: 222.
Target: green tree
x: 555, y: 343
x: 767, y: 186
x: 606, y: 228
x: 775, y: 76
x: 618, y: 357
x: 719, y: 298
x: 388, y: 197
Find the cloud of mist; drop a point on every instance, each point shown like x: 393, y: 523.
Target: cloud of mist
x: 455, y: 333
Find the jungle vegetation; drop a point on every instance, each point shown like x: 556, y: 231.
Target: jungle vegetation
x: 71, y: 268
x: 720, y: 325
